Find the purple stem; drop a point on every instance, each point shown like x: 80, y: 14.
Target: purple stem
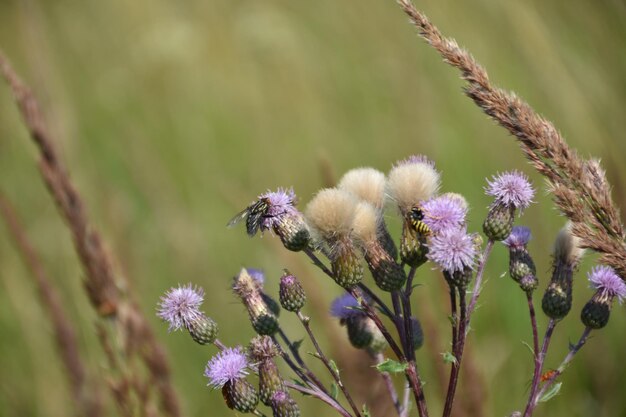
x: 539, y: 360
x: 458, y: 353
x: 321, y: 396
x: 389, y: 384
x: 478, y: 283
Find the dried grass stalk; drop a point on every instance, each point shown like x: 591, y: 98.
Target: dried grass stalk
x: 102, y: 283
x: 580, y: 188
x: 85, y: 396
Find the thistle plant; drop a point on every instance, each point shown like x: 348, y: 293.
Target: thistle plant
x: 344, y: 228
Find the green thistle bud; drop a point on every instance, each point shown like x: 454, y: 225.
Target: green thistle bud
x: 459, y: 279
x: 499, y: 222
x: 413, y: 248
x: 521, y: 264
x: 293, y: 232
x: 557, y: 300
x: 263, y: 320
x: 417, y: 333
x: 292, y: 296
x: 262, y: 348
x: 203, y: 330
x: 240, y: 395
x: 596, y: 313
x: 363, y: 334
x: 388, y: 275
x: 346, y: 265
x: 284, y: 406
x: 270, y: 381
x: 529, y: 283
x: 387, y: 242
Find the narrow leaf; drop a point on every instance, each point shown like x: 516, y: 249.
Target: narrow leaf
x: 554, y: 390
x: 334, y: 391
x: 391, y: 366
x: 448, y: 357
x: 333, y: 366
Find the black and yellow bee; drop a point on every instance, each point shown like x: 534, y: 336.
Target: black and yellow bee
x: 254, y: 215
x: 416, y: 220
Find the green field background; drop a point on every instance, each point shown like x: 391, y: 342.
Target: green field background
x: 173, y: 115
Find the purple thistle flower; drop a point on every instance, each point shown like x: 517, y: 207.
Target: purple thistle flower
x: 452, y: 249
x: 257, y: 275
x: 181, y: 306
x: 281, y: 203
x: 444, y: 212
x: 519, y: 238
x: 607, y: 282
x: 415, y: 159
x: 228, y: 365
x: 345, y: 306
x: 511, y: 189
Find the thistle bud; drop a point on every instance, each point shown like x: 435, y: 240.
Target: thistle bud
x: 284, y: 406
x: 608, y: 286
x: 364, y: 334
x: 240, y: 395
x: 557, y: 300
x: 331, y: 213
x: 291, y: 293
x: 203, y: 330
x: 262, y: 348
x: 270, y: 381
x: 263, y: 320
x: 521, y: 265
x: 512, y: 191
x: 227, y: 371
x: 388, y: 275
x: 413, y: 246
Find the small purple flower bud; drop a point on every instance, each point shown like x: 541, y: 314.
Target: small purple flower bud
x: 453, y: 250
x: 284, y: 406
x: 180, y: 307
x: 228, y: 365
x: 511, y: 189
x: 444, y: 212
x: 518, y: 239
x: 257, y: 275
x: 292, y: 296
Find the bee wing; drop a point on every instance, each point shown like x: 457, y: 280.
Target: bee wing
x: 238, y: 217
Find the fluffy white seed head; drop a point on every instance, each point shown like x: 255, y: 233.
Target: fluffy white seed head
x: 331, y: 213
x: 408, y: 184
x: 567, y: 246
x: 366, y: 184
x: 365, y: 223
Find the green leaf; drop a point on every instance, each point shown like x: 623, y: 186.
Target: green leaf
x: 554, y: 390
x: 334, y: 391
x: 333, y: 366
x: 448, y: 357
x: 532, y: 351
x: 391, y: 366
x: 365, y: 411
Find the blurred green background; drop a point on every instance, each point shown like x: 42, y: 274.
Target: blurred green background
x: 173, y: 116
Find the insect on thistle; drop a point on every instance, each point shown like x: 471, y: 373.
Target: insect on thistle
x: 254, y: 215
x: 416, y: 220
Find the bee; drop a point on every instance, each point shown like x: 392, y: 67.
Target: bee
x: 416, y: 220
x: 254, y: 215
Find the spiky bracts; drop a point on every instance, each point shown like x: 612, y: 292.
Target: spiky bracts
x: 263, y: 320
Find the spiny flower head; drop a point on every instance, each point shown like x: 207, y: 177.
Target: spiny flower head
x: 181, y: 306
x: 452, y: 249
x: 607, y: 282
x: 262, y: 348
x: 281, y: 203
x: 511, y: 189
x: 410, y: 182
x: 444, y: 212
x: 228, y: 365
x: 366, y: 184
x: 519, y: 238
x: 345, y: 306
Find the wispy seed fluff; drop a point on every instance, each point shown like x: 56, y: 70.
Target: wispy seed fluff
x: 331, y: 213
x: 365, y: 225
x: 366, y: 184
x: 411, y: 182
x: 567, y: 248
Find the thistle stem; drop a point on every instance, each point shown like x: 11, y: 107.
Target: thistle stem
x: 539, y: 360
x: 321, y: 396
x: 478, y: 283
x: 302, y: 370
x: 570, y: 356
x: 389, y: 384
x: 333, y: 372
x: 458, y: 354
